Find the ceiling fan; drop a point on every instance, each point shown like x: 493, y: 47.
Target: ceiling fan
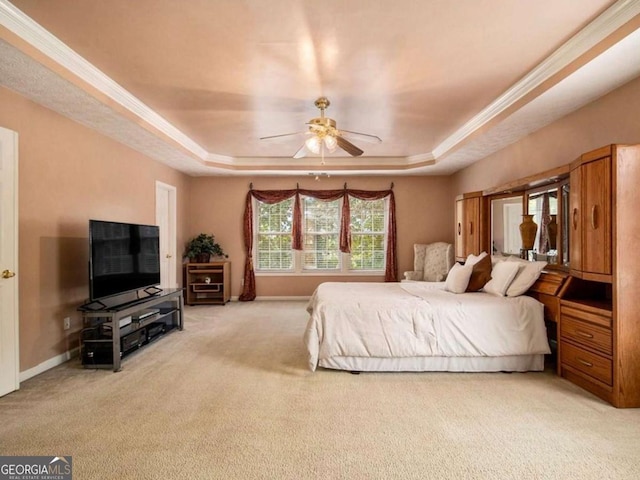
x: 323, y: 134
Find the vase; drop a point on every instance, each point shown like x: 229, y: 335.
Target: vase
x: 528, y: 230
x: 202, y: 258
x: 552, y: 229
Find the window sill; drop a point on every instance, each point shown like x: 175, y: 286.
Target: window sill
x: 376, y: 273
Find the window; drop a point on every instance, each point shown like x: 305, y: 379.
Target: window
x: 320, y: 227
x: 274, y: 236
x: 368, y: 227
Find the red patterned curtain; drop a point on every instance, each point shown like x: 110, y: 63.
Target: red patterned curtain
x: 275, y: 196
x: 345, y: 226
x: 249, y: 285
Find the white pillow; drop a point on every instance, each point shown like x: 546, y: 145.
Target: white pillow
x: 458, y: 278
x: 527, y: 276
x: 473, y: 259
x: 502, y: 275
x: 497, y: 258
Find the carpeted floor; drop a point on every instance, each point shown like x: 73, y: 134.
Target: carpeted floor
x: 230, y: 397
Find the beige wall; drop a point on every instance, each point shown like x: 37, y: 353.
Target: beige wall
x: 67, y: 175
x: 423, y: 207
x: 612, y: 119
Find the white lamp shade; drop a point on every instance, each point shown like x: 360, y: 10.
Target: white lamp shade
x: 330, y: 142
x: 313, y: 144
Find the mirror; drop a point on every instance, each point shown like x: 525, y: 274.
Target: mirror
x: 506, y: 216
x: 517, y: 206
x: 550, y: 210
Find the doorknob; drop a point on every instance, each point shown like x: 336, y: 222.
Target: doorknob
x: 8, y: 274
x: 168, y: 255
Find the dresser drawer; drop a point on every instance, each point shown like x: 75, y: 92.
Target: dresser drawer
x: 586, y: 362
x: 583, y: 312
x: 587, y: 334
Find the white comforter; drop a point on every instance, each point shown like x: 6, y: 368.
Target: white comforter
x: 419, y: 319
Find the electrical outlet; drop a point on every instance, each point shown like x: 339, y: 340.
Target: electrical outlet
x: 66, y: 323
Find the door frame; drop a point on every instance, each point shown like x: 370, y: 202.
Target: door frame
x: 172, y: 194
x: 10, y: 151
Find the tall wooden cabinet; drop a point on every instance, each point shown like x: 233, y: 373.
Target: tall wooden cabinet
x: 591, y: 211
x: 599, y: 313
x: 470, y: 224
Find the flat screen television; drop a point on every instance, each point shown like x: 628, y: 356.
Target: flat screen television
x: 123, y: 257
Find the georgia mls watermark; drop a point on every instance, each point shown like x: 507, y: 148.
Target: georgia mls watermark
x: 35, y: 468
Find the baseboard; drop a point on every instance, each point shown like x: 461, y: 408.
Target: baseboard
x: 49, y: 364
x: 272, y: 298
x: 269, y: 298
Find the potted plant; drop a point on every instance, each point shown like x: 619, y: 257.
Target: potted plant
x: 201, y: 248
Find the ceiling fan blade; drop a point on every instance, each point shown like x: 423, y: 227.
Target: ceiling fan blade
x: 282, y: 135
x: 301, y: 153
x: 348, y: 147
x: 365, y: 137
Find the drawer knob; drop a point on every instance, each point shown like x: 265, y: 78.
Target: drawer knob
x: 585, y: 363
x: 584, y: 334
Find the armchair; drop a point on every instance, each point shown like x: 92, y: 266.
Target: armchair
x: 431, y: 262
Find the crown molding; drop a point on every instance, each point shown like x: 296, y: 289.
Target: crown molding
x: 221, y: 159
x: 604, y: 25
x: 311, y: 161
x: 35, y: 35
x: 420, y: 158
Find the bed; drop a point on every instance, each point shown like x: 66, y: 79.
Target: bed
x: 419, y: 326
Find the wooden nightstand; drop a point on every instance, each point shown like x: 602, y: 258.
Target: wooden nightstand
x: 207, y: 283
x: 548, y: 290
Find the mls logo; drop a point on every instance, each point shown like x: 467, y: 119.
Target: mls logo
x: 36, y: 468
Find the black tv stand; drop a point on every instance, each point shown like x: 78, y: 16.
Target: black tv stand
x: 92, y: 306
x: 152, y: 290
x: 112, y: 333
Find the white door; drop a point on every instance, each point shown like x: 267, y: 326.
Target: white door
x: 9, y: 361
x: 166, y: 220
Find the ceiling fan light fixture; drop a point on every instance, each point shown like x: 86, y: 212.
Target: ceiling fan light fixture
x: 330, y: 142
x: 313, y: 144
x: 323, y: 135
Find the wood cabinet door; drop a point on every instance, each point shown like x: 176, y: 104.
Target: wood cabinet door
x: 596, y: 216
x: 575, y: 219
x: 459, y: 233
x: 471, y: 226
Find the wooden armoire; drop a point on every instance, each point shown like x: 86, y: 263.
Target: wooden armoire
x: 471, y: 225
x: 599, y: 345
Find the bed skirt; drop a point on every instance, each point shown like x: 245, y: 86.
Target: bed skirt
x: 514, y: 363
